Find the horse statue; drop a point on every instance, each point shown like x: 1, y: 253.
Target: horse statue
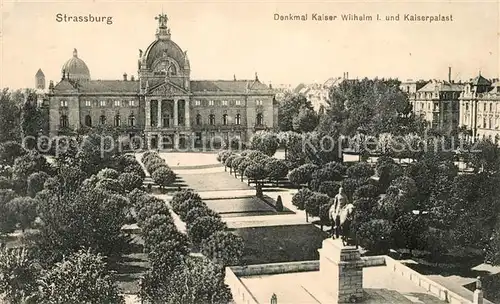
x: 342, y: 223
x: 341, y: 216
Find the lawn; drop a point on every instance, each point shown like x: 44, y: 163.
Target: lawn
x: 243, y: 206
x: 275, y: 244
x: 213, y: 181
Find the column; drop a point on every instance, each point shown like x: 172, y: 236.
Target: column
x: 176, y: 140
x: 187, y: 122
x: 147, y: 109
x: 159, y: 114
x: 148, y: 141
x: 176, y: 112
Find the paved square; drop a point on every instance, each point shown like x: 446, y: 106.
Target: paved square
x: 239, y: 206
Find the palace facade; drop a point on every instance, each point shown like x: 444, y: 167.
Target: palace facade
x: 164, y: 106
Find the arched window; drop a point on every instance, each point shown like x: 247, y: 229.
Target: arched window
x: 88, y: 121
x: 172, y: 70
x: 131, y: 120
x: 484, y: 122
x: 260, y: 119
x: 224, y: 119
x: 198, y: 119
x: 238, y: 119
x: 118, y: 120
x: 212, y: 119
x: 64, y: 121
x: 102, y: 119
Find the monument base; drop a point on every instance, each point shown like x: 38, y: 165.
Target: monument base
x: 341, y: 268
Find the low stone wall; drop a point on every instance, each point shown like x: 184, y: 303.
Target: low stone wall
x: 434, y: 288
x: 241, y: 294
x: 371, y: 261
x: 275, y: 268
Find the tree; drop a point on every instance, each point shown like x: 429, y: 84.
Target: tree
x: 130, y: 181
x: 256, y: 172
x: 108, y: 173
x: 29, y: 163
x: 486, y: 156
x: 183, y: 208
x: 302, y: 175
x: 305, y: 121
x: 276, y: 169
x: 163, y: 177
x: 243, y: 166
x: 375, y: 105
x: 197, y: 280
x: 96, y: 152
x: 351, y: 184
x: 387, y: 171
x: 229, y: 162
x: 324, y: 214
x: 290, y: 108
x: 9, y: 151
x: 299, y: 198
x: 7, y: 222
x: 23, y: 210
x: 18, y: 275
x: 400, y: 198
x: 203, y: 227
x: 265, y: 142
x: 197, y: 212
x: 80, y: 278
x: 410, y: 232
x: 110, y: 185
x: 101, y: 215
x: 329, y: 188
x: 360, y: 170
x: 223, y: 247
x: 375, y: 235
x: 35, y: 182
x: 183, y: 195
x: 314, y: 202
x: 31, y: 119
x: 368, y: 191
x: 10, y: 114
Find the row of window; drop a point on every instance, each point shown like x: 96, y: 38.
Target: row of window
x: 222, y: 102
x: 64, y: 122
x: 104, y: 103
x: 259, y: 119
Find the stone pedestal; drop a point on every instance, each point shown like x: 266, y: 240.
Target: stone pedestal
x: 341, y: 268
x: 478, y: 297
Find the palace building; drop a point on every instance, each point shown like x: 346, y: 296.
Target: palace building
x: 163, y: 105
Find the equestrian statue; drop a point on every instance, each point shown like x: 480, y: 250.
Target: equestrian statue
x: 341, y: 215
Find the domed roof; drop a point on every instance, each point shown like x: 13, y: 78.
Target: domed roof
x: 161, y: 48
x: 76, y: 68
x: 164, y: 47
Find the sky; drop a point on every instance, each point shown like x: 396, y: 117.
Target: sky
x: 226, y: 38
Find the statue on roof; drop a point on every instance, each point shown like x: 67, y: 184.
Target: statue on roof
x: 162, y: 20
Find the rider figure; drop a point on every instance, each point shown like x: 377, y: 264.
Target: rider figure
x: 339, y: 201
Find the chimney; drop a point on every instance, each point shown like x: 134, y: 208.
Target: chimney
x: 343, y: 76
x: 449, y: 74
x: 132, y: 78
x: 346, y: 75
x: 234, y: 77
x: 124, y: 76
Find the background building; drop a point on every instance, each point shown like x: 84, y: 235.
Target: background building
x: 164, y: 105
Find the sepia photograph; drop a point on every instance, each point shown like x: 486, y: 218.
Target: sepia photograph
x: 249, y: 152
